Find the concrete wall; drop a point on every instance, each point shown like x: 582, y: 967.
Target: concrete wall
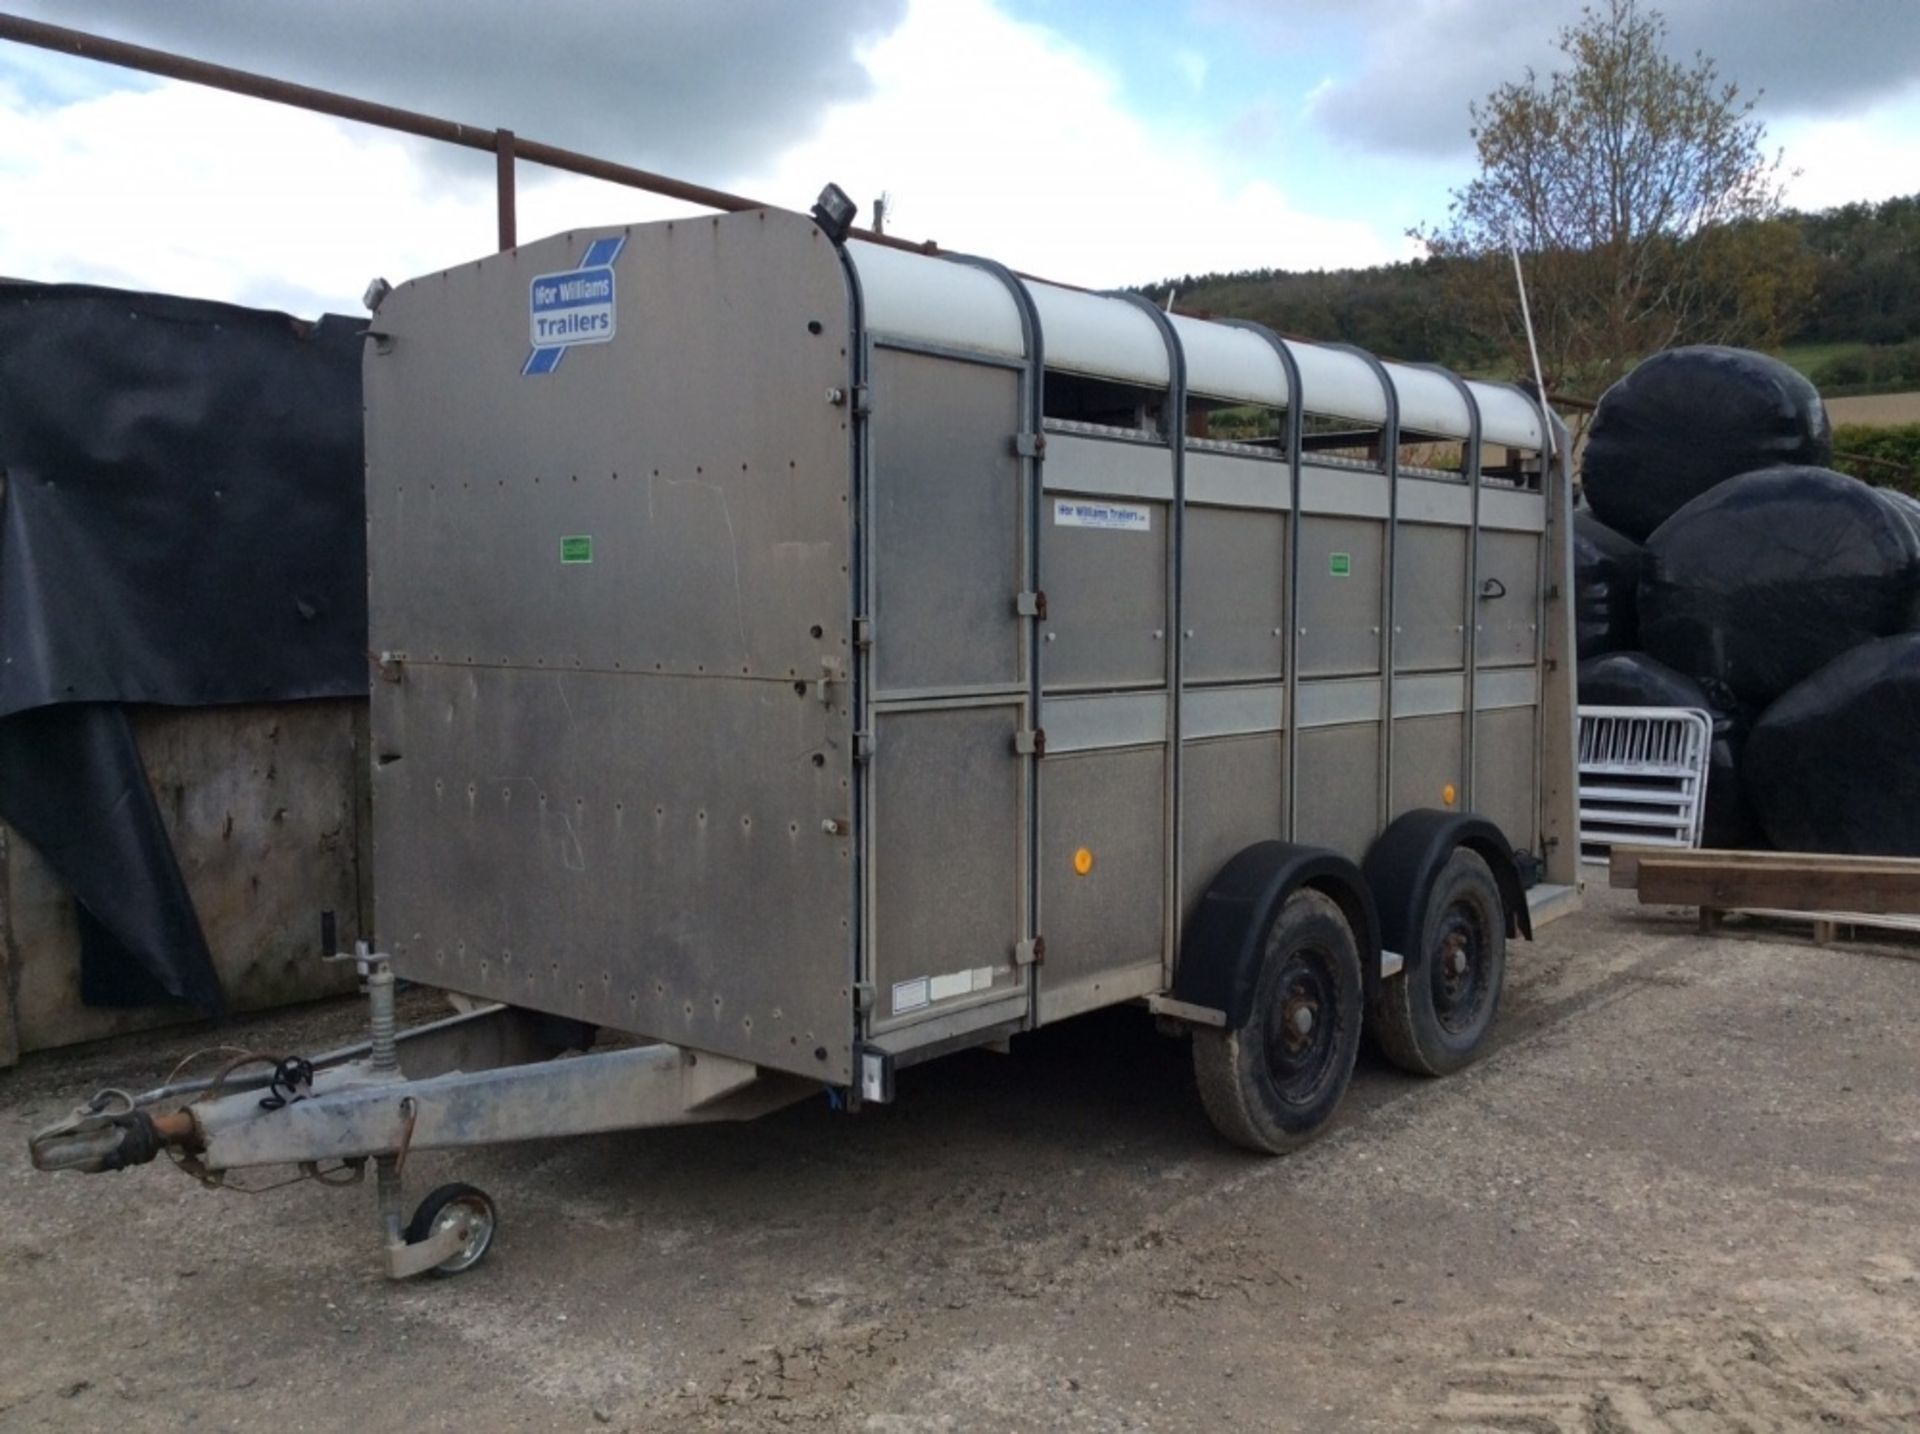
x: 267, y: 809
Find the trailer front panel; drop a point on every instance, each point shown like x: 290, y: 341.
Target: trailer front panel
x: 612, y: 724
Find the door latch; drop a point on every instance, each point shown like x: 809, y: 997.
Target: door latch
x: 830, y: 672
x: 855, y: 398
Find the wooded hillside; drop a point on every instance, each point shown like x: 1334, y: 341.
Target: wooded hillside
x: 1850, y: 276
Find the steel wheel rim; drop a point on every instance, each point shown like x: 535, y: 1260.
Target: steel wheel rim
x: 1460, y: 967
x: 479, y: 1222
x: 1301, y: 1035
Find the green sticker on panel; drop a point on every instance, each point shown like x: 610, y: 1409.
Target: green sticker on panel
x: 1340, y: 565
x: 577, y: 549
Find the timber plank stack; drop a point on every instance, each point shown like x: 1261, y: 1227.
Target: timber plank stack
x: 1828, y: 890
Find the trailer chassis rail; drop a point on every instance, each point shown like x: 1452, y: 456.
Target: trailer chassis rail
x: 492, y: 1076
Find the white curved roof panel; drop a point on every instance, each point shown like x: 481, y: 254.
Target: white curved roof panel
x: 1338, y: 384
x: 1224, y: 361
x: 1429, y: 402
x: 936, y: 301
x: 921, y: 298
x: 1508, y: 416
x: 1100, y: 336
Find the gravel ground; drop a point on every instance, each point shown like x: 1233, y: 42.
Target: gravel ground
x: 1680, y: 1192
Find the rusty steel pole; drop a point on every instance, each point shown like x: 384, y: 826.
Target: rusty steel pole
x: 502, y: 144
x: 503, y: 185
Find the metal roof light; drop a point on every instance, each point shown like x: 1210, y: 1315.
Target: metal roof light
x: 834, y: 212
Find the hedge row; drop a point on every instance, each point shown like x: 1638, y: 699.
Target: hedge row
x: 1897, y: 445
x: 1875, y: 367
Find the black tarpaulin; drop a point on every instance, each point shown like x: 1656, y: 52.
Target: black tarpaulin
x: 71, y: 782
x: 184, y: 518
x: 182, y: 523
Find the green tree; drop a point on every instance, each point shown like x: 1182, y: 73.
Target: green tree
x: 1637, y: 190
x: 1869, y: 285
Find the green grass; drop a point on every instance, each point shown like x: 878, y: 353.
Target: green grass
x: 1845, y: 369
x: 1810, y: 358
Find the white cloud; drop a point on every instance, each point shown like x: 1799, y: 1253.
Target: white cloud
x: 1001, y: 138
x: 1869, y: 157
x: 994, y: 136
x: 1416, y: 65
x: 192, y: 191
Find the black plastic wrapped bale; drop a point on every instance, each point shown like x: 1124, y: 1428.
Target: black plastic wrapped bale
x: 1606, y: 578
x: 1771, y: 575
x: 1633, y: 679
x: 1688, y: 418
x: 1834, y: 766
x: 1728, y: 823
x: 1905, y: 504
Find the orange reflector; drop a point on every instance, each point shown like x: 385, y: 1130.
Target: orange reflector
x: 1448, y: 794
x: 1082, y: 861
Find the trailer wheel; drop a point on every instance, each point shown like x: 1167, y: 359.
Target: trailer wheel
x: 1431, y: 1017
x: 1272, y: 1083
x: 456, y: 1202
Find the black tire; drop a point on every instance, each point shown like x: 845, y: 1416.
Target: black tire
x: 429, y: 1211
x: 1432, y: 1015
x: 1268, y: 1085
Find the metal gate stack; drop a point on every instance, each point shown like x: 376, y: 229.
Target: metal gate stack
x: 1643, y: 776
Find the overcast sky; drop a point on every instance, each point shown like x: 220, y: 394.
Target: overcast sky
x: 1098, y: 141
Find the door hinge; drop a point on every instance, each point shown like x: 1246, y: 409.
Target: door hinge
x: 1031, y: 742
x: 1032, y: 604
x: 1030, y: 953
x: 1030, y: 445
x: 391, y: 665
x: 863, y: 632
x: 864, y: 744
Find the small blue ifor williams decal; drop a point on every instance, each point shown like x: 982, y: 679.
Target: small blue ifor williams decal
x: 575, y: 306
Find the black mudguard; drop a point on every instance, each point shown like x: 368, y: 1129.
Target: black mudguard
x: 1220, y: 957
x: 1404, y: 861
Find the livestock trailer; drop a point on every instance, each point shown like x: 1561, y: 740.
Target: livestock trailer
x: 811, y: 657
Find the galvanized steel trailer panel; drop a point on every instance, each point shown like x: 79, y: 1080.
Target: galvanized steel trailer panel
x: 606, y: 782
x: 859, y: 725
